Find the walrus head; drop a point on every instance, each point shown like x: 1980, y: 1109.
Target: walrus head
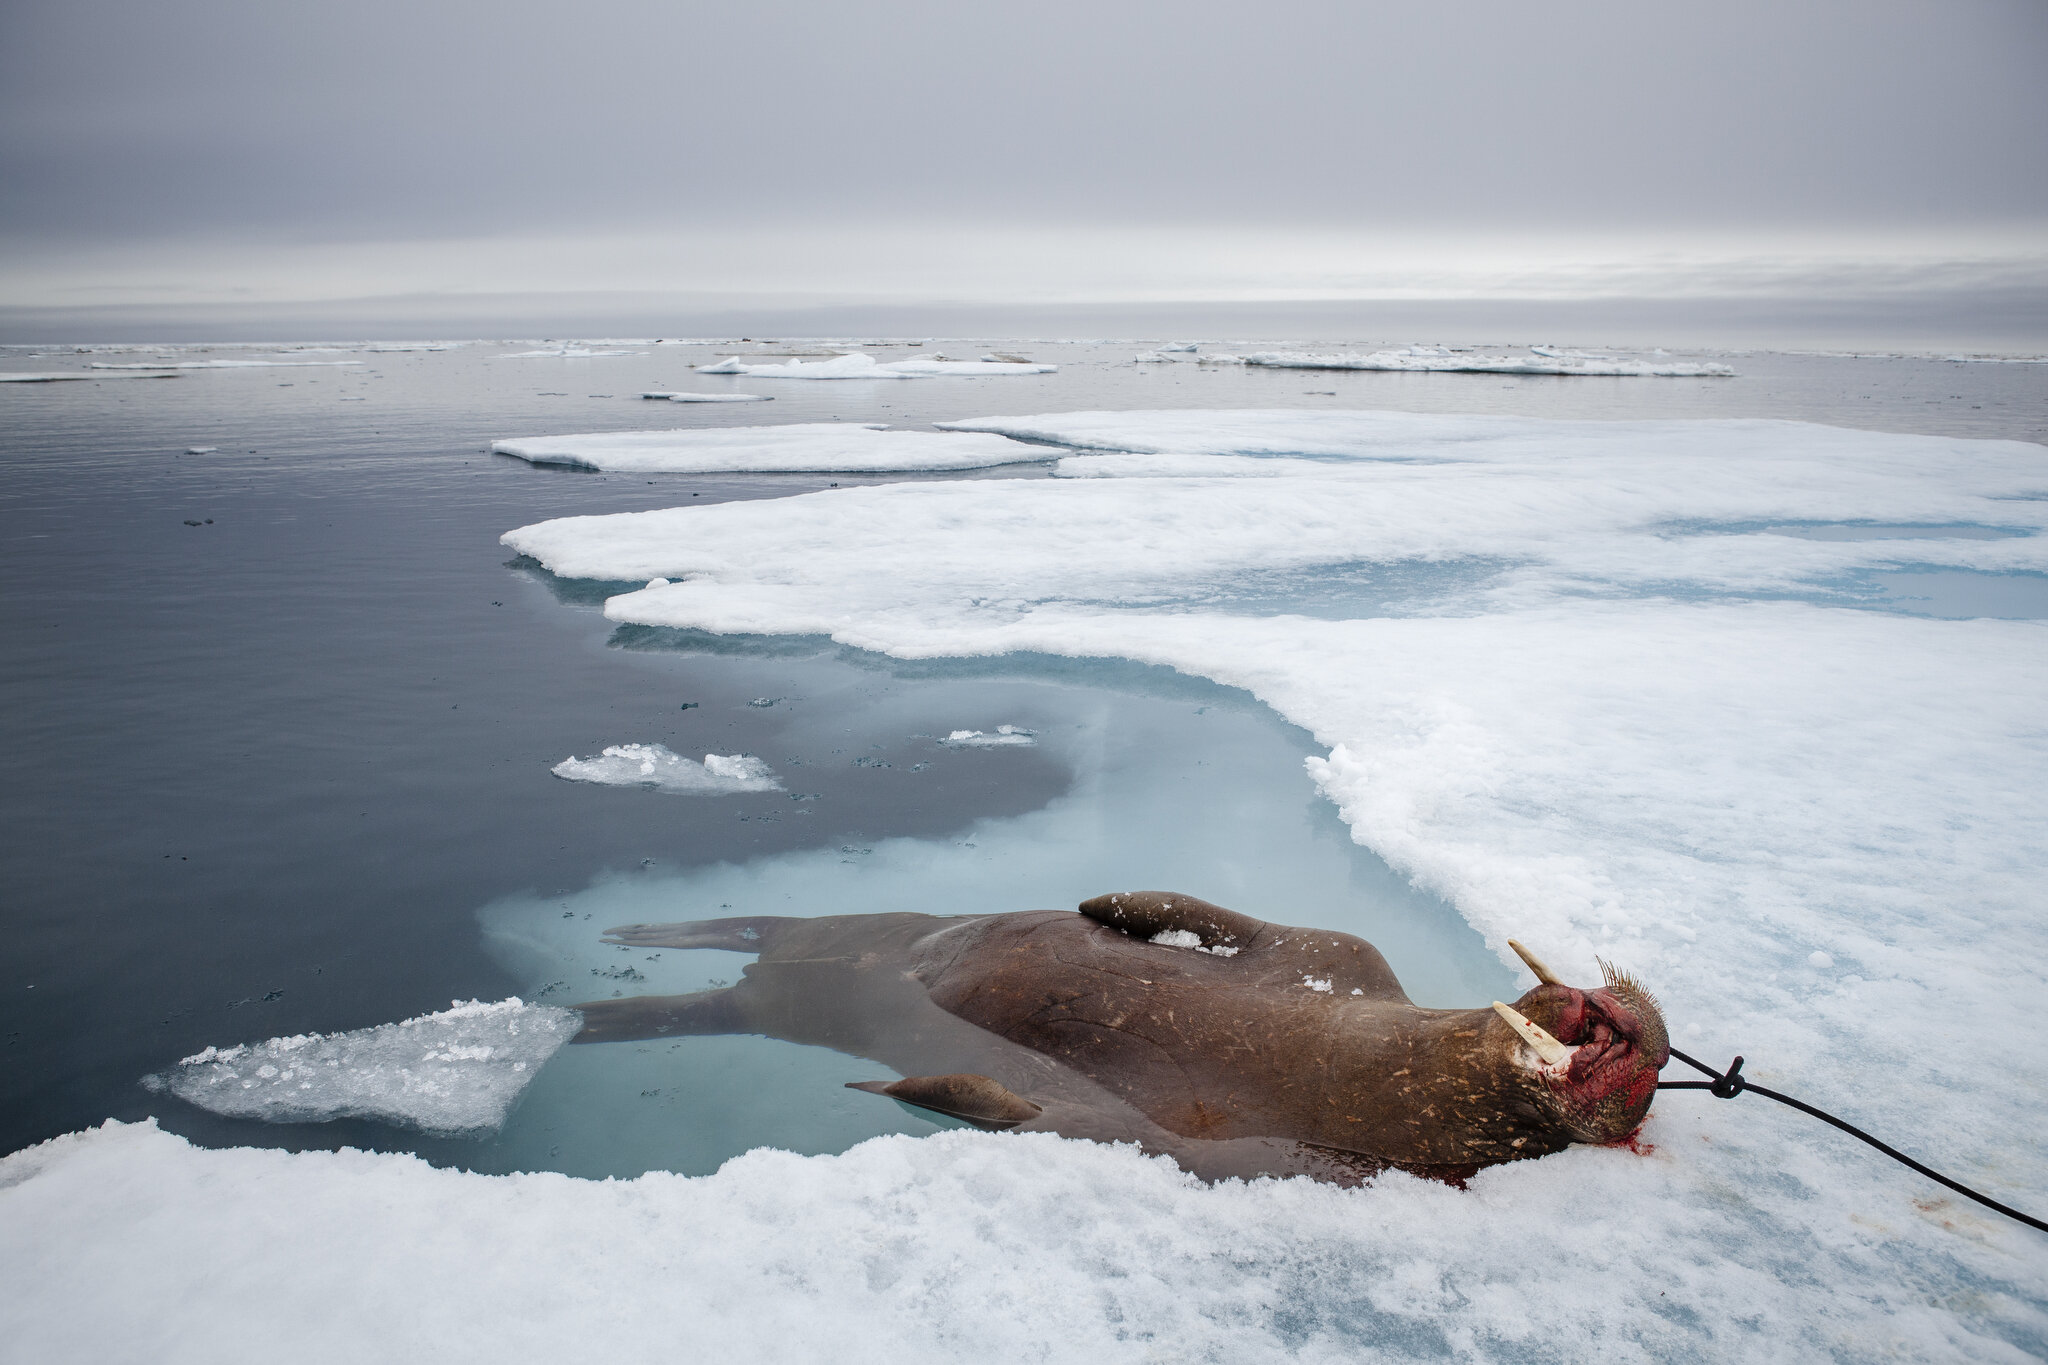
x: 1594, y: 1054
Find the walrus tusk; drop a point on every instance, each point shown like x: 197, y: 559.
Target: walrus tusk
x: 1548, y: 1048
x: 1535, y: 964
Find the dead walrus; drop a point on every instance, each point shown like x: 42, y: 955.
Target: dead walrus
x: 1235, y: 1046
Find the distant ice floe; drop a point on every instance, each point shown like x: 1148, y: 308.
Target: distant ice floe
x: 689, y: 397
x: 657, y: 767
x: 858, y: 365
x: 456, y: 1073
x: 218, y: 364
x: 1003, y: 737
x: 563, y: 353
x: 65, y: 376
x: 804, y: 447
x: 1541, y: 360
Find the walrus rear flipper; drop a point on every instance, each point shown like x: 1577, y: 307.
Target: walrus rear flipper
x: 736, y: 934
x: 1145, y: 914
x: 659, y: 1016
x: 977, y: 1099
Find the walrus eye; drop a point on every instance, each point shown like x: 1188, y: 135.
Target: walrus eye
x: 1548, y: 1048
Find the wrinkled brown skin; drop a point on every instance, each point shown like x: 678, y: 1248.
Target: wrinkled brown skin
x: 1232, y: 1065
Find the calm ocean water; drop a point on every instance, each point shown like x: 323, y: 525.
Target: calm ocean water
x: 268, y: 769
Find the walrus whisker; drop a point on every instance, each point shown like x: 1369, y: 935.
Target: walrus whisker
x: 1548, y: 1048
x: 1535, y: 964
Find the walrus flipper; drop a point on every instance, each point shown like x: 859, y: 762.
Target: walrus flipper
x: 735, y: 934
x: 977, y: 1099
x: 659, y: 1016
x: 1147, y: 914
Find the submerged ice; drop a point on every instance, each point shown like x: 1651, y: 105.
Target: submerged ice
x: 657, y: 767
x: 455, y: 1073
x: 801, y: 447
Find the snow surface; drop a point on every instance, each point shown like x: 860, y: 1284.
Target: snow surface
x: 1586, y: 695
x: 859, y: 365
x: 819, y: 447
x: 1542, y: 360
x: 657, y: 767
x: 456, y: 1073
x: 1004, y: 737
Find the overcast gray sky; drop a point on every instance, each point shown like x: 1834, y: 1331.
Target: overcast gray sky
x: 1275, y: 149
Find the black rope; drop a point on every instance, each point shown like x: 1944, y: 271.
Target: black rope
x: 1727, y: 1085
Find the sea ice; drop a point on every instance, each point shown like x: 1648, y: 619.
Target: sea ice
x: 655, y: 766
x: 456, y: 1073
x: 858, y: 365
x: 1646, y: 729
x: 819, y: 447
x: 219, y: 364
x: 1543, y: 360
x: 1004, y: 737
x: 691, y: 397
x: 562, y: 353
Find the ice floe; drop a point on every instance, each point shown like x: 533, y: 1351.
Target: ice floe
x: 656, y: 767
x: 1002, y: 737
x: 63, y: 376
x: 819, y: 447
x: 1566, y: 675
x: 563, y: 353
x: 455, y: 1073
x: 858, y: 365
x: 218, y: 364
x: 674, y: 396
x: 1541, y: 360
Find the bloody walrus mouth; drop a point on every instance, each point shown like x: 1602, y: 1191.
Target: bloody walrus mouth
x: 1237, y: 1047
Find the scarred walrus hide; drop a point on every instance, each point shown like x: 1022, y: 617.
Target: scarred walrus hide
x: 1237, y: 1047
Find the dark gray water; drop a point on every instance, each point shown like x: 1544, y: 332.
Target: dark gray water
x: 267, y: 769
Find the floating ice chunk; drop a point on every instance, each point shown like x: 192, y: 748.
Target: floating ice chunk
x: 1152, y: 358
x: 565, y: 353
x: 1219, y: 360
x: 655, y: 766
x: 859, y: 365
x: 686, y: 396
x: 1004, y: 737
x: 201, y: 450
x: 456, y: 1073
x: 819, y: 447
x: 1545, y: 360
x: 1183, y: 347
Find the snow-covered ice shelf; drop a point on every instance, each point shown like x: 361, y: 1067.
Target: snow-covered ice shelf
x: 1606, y: 707
x: 455, y: 1073
x: 656, y: 767
x: 1540, y: 360
x: 810, y: 447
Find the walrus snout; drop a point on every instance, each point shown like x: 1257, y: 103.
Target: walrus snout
x: 1614, y: 1043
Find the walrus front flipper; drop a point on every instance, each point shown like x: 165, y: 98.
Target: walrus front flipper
x: 1146, y: 914
x: 737, y: 934
x: 659, y: 1016
x: 977, y: 1099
